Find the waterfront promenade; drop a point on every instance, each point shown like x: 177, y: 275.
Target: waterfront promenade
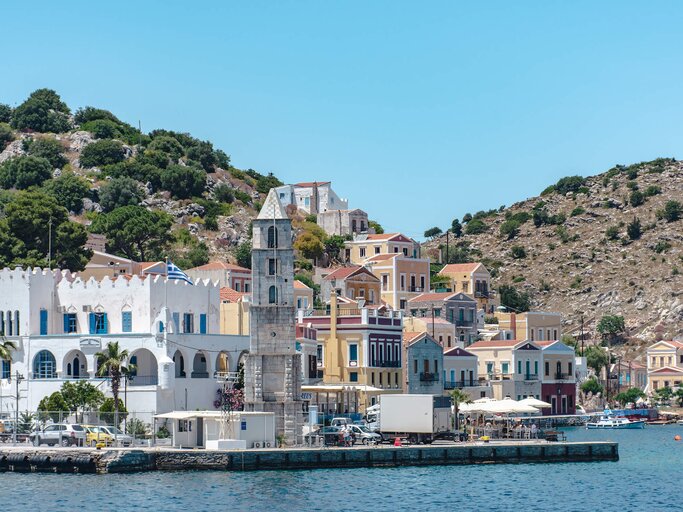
x: 88, y: 460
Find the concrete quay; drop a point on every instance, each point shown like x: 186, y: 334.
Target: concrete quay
x: 87, y: 460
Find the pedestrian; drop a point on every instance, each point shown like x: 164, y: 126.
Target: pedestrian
x: 534, y: 431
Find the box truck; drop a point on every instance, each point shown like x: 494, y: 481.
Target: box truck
x: 417, y: 418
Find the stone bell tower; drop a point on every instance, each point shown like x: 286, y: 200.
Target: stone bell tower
x: 273, y: 367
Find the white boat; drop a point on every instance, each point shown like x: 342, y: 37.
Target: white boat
x: 608, y: 420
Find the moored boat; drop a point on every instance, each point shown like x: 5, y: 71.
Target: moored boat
x: 608, y: 420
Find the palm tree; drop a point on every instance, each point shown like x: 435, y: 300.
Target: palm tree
x: 111, y: 364
x: 6, y: 348
x: 458, y: 396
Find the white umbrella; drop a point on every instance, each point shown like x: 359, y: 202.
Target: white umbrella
x: 484, y: 400
x: 535, y: 402
x: 510, y: 406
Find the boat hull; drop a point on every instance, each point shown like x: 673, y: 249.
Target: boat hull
x: 624, y: 426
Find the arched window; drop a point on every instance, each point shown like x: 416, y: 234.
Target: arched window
x: 272, y: 237
x: 16, y: 323
x: 179, y: 361
x: 272, y: 295
x: 8, y: 331
x: 44, y: 365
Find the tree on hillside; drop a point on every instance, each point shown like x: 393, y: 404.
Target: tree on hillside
x: 43, y: 111
x: 135, y: 232
x: 119, y: 192
x: 167, y: 145
x: 24, y: 234
x: 309, y: 245
x: 512, y: 298
x: 596, y: 358
x: 672, y: 211
x: 50, y: 149
x: 634, y: 229
x: 24, y: 171
x: 631, y: 395
x: 476, y: 227
x: 183, y: 181
x: 456, y: 228
x: 592, y: 386
x: 433, y: 232
x: 466, y: 218
x: 376, y: 226
x: 510, y: 229
x: 611, y: 327
x: 69, y: 191
x: 243, y: 254
x: 6, y: 135
x: 5, y: 113
x: 102, y: 152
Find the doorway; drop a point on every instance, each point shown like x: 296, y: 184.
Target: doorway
x: 200, y: 431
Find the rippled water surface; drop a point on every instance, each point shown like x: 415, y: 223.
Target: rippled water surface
x: 647, y: 477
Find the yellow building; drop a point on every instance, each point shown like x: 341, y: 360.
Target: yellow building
x: 353, y: 282
x: 664, y: 365
x: 474, y: 280
x: 234, y: 312
x: 401, y: 278
x: 532, y: 325
x: 440, y: 329
x: 364, y: 246
x: 303, y: 295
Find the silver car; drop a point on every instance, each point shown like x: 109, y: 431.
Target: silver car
x: 117, y: 435
x: 364, y: 434
x: 62, y: 434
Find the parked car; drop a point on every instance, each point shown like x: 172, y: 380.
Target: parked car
x: 117, y: 436
x: 364, y: 435
x: 94, y: 435
x: 63, y: 434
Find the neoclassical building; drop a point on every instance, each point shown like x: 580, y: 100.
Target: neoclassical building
x: 169, y: 327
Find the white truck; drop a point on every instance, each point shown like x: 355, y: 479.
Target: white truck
x: 417, y: 418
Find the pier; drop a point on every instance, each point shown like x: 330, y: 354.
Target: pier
x: 86, y: 460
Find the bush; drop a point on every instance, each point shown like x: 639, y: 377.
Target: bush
x: 652, y: 190
x: 510, y: 229
x: 50, y: 149
x: 632, y: 173
x: 548, y: 190
x: 102, y: 128
x: 119, y: 192
x: 6, y: 135
x: 102, y: 152
x: 671, y: 212
x: 223, y: 193
x: 5, y: 113
x: 514, y: 299
x: 182, y: 181
x: 637, y: 198
x: 243, y: 254
x: 168, y: 146
x: 136, y: 170
x: 83, y: 115
x: 265, y: 183
x: 69, y: 191
x: 242, y: 196
x: 518, y: 252
x: 432, y: 232
x: 569, y: 184
x: 476, y: 227
x: 577, y: 211
x: 43, y: 111
x: 634, y: 230
x: 467, y: 217
x: 376, y: 226
x: 23, y: 172
x: 591, y: 386
x: 662, y: 246
x: 612, y: 233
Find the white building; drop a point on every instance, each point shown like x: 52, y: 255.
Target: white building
x: 311, y: 197
x: 169, y: 327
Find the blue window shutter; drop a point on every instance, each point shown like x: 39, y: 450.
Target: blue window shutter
x: 127, y: 321
x: 91, y: 321
x: 105, y: 326
x: 43, y: 322
x: 66, y: 323
x: 161, y: 326
x: 202, y: 323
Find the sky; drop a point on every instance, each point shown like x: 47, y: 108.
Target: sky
x: 419, y: 112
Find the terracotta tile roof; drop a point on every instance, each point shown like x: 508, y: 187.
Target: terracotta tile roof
x: 301, y: 286
x: 383, y: 257
x: 432, y: 296
x: 342, y: 272
x: 494, y: 344
x: 221, y: 265
x: 457, y: 268
x: 311, y: 183
x: 383, y: 236
x: 410, y: 336
x: 227, y: 294
x: 458, y: 352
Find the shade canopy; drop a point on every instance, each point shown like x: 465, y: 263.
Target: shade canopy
x: 535, y: 402
x: 506, y: 406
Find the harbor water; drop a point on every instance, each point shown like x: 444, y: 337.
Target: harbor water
x: 647, y: 477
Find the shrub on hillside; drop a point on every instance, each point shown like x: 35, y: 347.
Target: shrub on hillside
x: 514, y: 299
x: 577, y: 211
x: 23, y: 172
x: 102, y: 128
x: 671, y: 212
x: 265, y: 183
x: 69, y: 191
x: 637, y: 198
x: 510, y: 229
x: 50, y: 149
x: 652, y: 190
x: 6, y: 135
x: 43, y: 111
x: 84, y: 115
x: 102, y: 152
x: 223, y: 193
x: 119, y: 192
x: 432, y: 232
x: 182, y: 181
x: 5, y: 113
x: 476, y: 227
x: 518, y: 252
x: 634, y: 229
x: 167, y: 145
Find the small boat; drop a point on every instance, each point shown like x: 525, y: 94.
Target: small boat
x: 608, y: 420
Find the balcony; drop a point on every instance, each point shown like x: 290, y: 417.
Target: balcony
x: 386, y: 364
x: 463, y: 323
x: 429, y: 377
x: 199, y: 375
x: 143, y: 380
x: 457, y: 384
x: 416, y: 289
x: 530, y: 376
x: 562, y: 376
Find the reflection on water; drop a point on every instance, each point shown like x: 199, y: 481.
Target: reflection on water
x: 646, y: 478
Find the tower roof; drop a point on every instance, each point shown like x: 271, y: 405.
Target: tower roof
x: 272, y: 208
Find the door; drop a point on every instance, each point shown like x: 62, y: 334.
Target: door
x: 76, y: 368
x: 564, y: 404
x: 553, y: 405
x: 200, y: 431
x: 43, y: 322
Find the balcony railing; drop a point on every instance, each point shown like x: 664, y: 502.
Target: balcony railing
x: 457, y: 384
x: 417, y: 289
x: 562, y: 376
x: 530, y: 376
x: 143, y: 380
x: 199, y: 375
x: 429, y: 377
x: 464, y: 323
x: 386, y: 364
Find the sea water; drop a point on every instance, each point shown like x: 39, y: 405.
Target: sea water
x: 648, y: 477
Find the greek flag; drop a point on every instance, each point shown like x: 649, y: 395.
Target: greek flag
x: 173, y: 272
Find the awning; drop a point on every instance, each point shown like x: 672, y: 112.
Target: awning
x: 337, y: 388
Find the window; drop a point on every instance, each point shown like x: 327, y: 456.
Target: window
x: 202, y: 323
x: 449, y: 340
x: 437, y: 312
x: 489, y: 367
x: 532, y: 334
x: 44, y: 365
x: 570, y: 371
x: 547, y: 368
x: 403, y: 282
x: 519, y: 367
x: 247, y: 288
x: 307, y: 201
x: 184, y: 425
x: 436, y: 366
x: 98, y: 323
x: 372, y: 378
x: 372, y: 297
x: 272, y: 295
x: 414, y: 365
x: 70, y: 323
x: 353, y: 376
x: 396, y: 379
x: 126, y: 321
x: 238, y: 286
x: 272, y: 237
x: 402, y: 304
x: 505, y: 367
x: 176, y: 321
x: 272, y: 266
x: 188, y: 323
x: 43, y: 322
x: 377, y: 249
x: 385, y: 282
x: 353, y: 354
x: 555, y: 334
x: 353, y: 225
x: 362, y: 252
x: 535, y: 367
x: 6, y: 372
x: 380, y: 379
x: 405, y: 252
x: 422, y: 283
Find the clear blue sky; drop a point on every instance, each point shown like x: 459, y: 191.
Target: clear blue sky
x: 418, y: 111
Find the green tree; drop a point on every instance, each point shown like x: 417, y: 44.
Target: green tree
x: 265, y: 183
x: 102, y: 129
x: 671, y: 212
x: 611, y: 327
x: 376, y: 226
x: 631, y: 395
x: 510, y: 229
x: 664, y: 395
x: 102, y: 152
x: 50, y: 149
x: 679, y: 396
x: 456, y: 228
x: 476, y: 227
x: 202, y: 151
x: 512, y: 298
x: 333, y: 246
x: 634, y: 229
x: 167, y: 145
x: 43, y: 111
x: 27, y: 423
x: 569, y: 184
x: 433, y: 232
x: 637, y: 198
x: 113, y: 413
x: 83, y: 115
x: 309, y: 245
x: 466, y: 218
x: 6, y: 135
x: 137, y: 428
x: 183, y: 181
x: 120, y: 192
x: 112, y: 363
x: 82, y: 396
x: 612, y: 233
x: 458, y: 397
x: 592, y: 386
x: 223, y: 193
x: 243, y: 254
x: 24, y: 234
x: 53, y: 407
x: 23, y: 172
x: 596, y: 358
x: 5, y: 113
x: 518, y: 252
x: 135, y: 232
x: 69, y: 191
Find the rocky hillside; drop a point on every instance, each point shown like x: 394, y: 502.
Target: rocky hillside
x: 93, y: 164
x: 607, y: 244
